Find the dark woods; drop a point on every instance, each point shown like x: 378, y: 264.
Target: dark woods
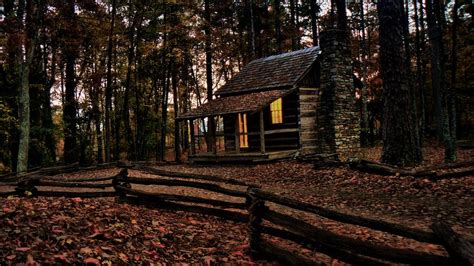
x: 97, y: 81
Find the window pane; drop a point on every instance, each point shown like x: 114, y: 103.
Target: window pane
x: 276, y: 111
x: 243, y: 134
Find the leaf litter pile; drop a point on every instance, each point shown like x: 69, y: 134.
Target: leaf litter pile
x: 59, y: 230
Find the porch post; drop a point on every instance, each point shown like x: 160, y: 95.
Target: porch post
x: 193, y: 144
x: 237, y: 134
x: 262, y: 133
x: 213, y: 134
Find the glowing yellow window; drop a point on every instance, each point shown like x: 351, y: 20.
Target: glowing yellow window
x: 276, y: 111
x: 243, y: 134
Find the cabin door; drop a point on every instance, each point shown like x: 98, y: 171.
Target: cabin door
x: 243, y: 133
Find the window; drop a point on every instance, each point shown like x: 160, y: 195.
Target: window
x: 243, y: 134
x: 276, y: 111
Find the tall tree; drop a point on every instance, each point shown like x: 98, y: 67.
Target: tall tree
x: 293, y: 26
x: 399, y: 144
x: 450, y: 154
x: 420, y: 62
x: 406, y: 41
x: 174, y: 85
x: 136, y: 16
x: 108, y: 90
x: 363, y: 47
x: 252, y: 30
x: 278, y: 25
x: 314, y: 22
x: 341, y: 14
x: 435, y: 37
x: 436, y: 22
x: 207, y: 30
x: 28, y: 44
x: 13, y: 15
x: 70, y: 48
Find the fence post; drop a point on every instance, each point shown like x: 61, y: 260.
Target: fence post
x: 26, y: 187
x: 121, y: 180
x: 459, y: 249
x: 255, y: 208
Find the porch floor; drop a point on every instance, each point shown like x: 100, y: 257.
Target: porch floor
x: 232, y: 156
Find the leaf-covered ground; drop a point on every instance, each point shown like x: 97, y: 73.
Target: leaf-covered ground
x: 407, y: 200
x: 49, y: 230
x: 77, y: 230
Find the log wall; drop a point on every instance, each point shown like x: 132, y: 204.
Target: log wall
x: 308, y: 99
x: 279, y: 139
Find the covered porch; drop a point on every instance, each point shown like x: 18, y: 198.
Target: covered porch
x: 245, y: 129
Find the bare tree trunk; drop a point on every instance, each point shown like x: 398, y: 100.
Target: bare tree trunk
x: 108, y: 90
x: 434, y: 34
x: 186, y: 100
x: 314, y: 22
x: 13, y: 51
x: 174, y: 84
x: 126, y: 112
x: 420, y: 82
x: 414, y: 112
x: 210, y: 122
x: 24, y: 110
x: 341, y: 14
x: 164, y: 111
x: 451, y: 93
x: 398, y: 132
x: 69, y: 115
x: 364, y: 121
x: 278, y: 25
x: 297, y: 25
x: 96, y: 114
x: 100, y: 158
x: 294, y: 37
x: 435, y: 27
x: 128, y: 85
x: 164, y: 62
x: 252, y: 30
x: 50, y: 141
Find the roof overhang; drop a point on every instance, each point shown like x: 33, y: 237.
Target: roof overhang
x: 249, y: 102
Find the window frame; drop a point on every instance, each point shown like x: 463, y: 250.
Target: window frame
x: 276, y: 112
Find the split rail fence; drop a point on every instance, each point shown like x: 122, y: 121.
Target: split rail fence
x: 253, y: 205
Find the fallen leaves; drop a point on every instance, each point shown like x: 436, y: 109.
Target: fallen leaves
x: 86, y: 251
x: 91, y: 261
x: 106, y: 233
x: 123, y: 257
x: 102, y: 232
x: 76, y: 200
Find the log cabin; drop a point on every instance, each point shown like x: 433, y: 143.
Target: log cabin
x: 273, y: 109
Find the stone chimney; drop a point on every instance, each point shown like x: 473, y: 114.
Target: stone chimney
x: 338, y: 118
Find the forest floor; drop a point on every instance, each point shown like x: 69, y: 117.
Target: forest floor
x: 49, y: 230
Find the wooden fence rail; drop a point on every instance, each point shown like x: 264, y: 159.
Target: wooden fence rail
x: 379, y: 225
x: 345, y: 248
x: 181, y: 198
x: 183, y: 183
x: 123, y: 184
x: 155, y: 171
x: 31, y: 184
x: 327, y: 238
x: 252, y: 209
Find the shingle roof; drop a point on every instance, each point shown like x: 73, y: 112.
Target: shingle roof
x: 252, y: 101
x: 283, y: 70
